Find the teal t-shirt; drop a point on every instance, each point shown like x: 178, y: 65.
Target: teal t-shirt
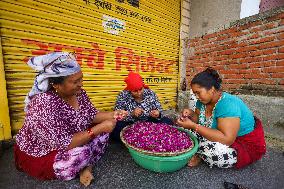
x: 232, y: 106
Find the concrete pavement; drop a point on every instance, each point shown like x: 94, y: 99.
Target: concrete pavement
x: 117, y: 170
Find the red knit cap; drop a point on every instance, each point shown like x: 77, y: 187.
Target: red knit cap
x: 134, y: 82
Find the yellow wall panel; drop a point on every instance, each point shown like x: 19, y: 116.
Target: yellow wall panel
x: 109, y: 37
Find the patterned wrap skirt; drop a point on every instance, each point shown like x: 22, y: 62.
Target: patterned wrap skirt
x: 61, y: 165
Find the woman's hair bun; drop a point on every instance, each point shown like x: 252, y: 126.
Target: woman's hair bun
x: 214, y: 74
x: 208, y: 78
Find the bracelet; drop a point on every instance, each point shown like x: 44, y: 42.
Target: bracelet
x: 196, y: 129
x: 91, y: 133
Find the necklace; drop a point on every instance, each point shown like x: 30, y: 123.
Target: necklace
x: 207, y: 111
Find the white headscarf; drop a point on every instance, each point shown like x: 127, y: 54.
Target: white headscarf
x: 55, y: 64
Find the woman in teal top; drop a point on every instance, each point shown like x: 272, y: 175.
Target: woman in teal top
x: 228, y: 133
x: 231, y: 106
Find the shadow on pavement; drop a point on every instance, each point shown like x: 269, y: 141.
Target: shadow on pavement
x: 117, y: 170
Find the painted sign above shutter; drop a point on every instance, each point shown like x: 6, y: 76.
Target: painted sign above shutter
x: 110, y: 38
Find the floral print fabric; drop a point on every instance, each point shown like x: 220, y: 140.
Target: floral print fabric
x: 150, y: 101
x: 50, y: 123
x: 69, y: 163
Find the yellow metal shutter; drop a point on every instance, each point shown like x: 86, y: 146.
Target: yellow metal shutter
x: 110, y: 39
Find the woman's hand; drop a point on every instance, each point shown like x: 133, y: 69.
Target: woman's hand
x: 187, y: 113
x: 137, y: 112
x: 185, y: 122
x: 84, y: 137
x: 120, y: 115
x: 155, y: 113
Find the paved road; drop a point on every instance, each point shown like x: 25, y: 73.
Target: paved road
x: 117, y: 170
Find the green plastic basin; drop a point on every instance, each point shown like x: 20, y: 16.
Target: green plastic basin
x: 164, y: 164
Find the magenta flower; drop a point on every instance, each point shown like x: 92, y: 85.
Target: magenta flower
x: 157, y: 138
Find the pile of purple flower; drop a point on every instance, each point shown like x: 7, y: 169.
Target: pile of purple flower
x: 157, y: 138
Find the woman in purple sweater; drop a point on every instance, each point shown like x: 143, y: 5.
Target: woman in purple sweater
x: 63, y: 134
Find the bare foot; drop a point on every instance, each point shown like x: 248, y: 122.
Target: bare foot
x: 194, y: 161
x: 86, y: 176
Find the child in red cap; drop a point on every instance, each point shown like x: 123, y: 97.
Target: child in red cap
x: 141, y: 103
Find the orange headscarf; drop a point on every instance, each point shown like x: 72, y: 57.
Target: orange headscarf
x: 134, y: 82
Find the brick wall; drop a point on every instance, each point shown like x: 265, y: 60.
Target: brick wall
x: 249, y: 54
